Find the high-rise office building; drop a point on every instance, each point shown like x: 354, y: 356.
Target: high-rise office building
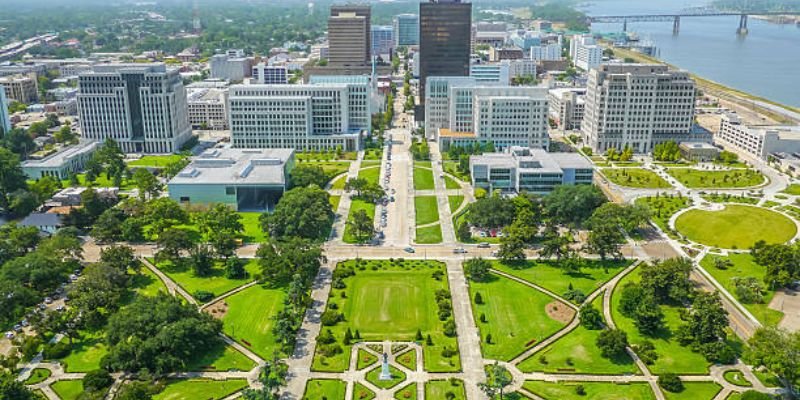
x: 141, y: 106
x: 585, y: 52
x: 232, y: 66
x: 349, y: 31
x: 5, y: 120
x: 445, y: 28
x: 406, y: 30
x: 639, y: 106
x: 382, y: 39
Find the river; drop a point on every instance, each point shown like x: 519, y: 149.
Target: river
x: 765, y: 62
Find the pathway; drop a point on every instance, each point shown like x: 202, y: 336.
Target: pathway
x: 337, y: 232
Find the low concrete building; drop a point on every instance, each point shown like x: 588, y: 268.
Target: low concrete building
x: 208, y: 108
x: 532, y: 170
x: 60, y: 164
x: 245, y: 179
x: 758, y: 140
x: 698, y: 151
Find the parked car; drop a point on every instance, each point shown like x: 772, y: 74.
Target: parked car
x: 483, y: 245
x: 9, y: 335
x: 409, y: 250
x: 459, y: 250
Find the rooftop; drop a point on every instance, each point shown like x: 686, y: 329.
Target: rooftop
x: 236, y: 167
x: 61, y: 157
x: 532, y: 160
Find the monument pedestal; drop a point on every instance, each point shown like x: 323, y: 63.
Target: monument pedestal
x: 386, y: 375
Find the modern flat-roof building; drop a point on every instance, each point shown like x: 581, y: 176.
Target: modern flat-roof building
x: 502, y: 72
x: 5, y: 119
x: 232, y: 66
x: 460, y: 111
x: 329, y: 112
x: 532, y: 170
x: 445, y: 28
x: 141, y: 106
x: 406, y: 30
x: 208, y: 108
x: 270, y: 74
x: 698, y: 151
x: 349, y: 33
x: 62, y: 163
x: 245, y: 179
x: 22, y: 88
x: 585, y: 52
x: 567, y: 106
x: 639, y: 106
x: 760, y: 141
x: 382, y: 39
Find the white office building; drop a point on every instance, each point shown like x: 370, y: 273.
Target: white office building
x: 266, y: 74
x: 567, y: 106
x: 232, y: 66
x: 5, y: 120
x: 141, y: 106
x: 639, y: 105
x: 406, y: 29
x: 585, y: 52
x: 760, y: 141
x: 329, y: 112
x: 62, y: 163
x: 208, y: 108
x: 460, y: 111
x: 502, y: 72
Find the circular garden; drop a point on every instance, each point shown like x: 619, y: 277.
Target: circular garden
x: 735, y: 226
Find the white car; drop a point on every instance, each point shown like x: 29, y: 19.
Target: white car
x: 9, y: 335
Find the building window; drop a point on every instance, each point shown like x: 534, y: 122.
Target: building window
x: 184, y: 199
x: 230, y: 190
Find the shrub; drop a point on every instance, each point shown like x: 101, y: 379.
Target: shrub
x: 57, y: 350
x: 331, y: 318
x: 450, y: 328
x: 447, y: 352
x: 203, y: 296
x: 428, y: 340
x: 670, y: 382
x: 489, y: 338
x: 580, y: 391
x: 330, y: 350
x: 478, y: 298
x: 753, y: 395
x: 98, y: 379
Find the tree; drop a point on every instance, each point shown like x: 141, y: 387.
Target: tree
x: 171, y: 243
x: 748, y: 289
x: 146, y: 183
x: 272, y: 376
x: 361, y: 225
x: 99, y: 293
x: 670, y: 382
x: 45, y: 187
x: 303, y: 211
x: 573, y: 204
x: 667, y: 151
x: 477, y: 269
x: 781, y: 263
x: 120, y: 257
x: 220, y: 218
x: 493, y: 211
x: 65, y: 135
x: 108, y: 227
x: 304, y: 175
x: 590, y: 317
x: 778, y: 351
x: 136, y: 390
x: 512, y: 249
x: 705, y: 322
x: 605, y: 238
x: 648, y: 316
x: 163, y: 213
x: 97, y: 380
x: 753, y: 395
x: 667, y: 280
x: 12, y: 389
x: 202, y: 260
x: 497, y: 378
x: 612, y: 343
x: 280, y: 260
x: 628, y: 217
x: 11, y: 176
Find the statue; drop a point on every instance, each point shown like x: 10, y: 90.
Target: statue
x: 386, y: 375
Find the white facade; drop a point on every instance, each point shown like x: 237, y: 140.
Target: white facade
x: 232, y: 66
x: 585, y: 52
x: 208, y: 108
x: 62, y: 163
x: 502, y: 72
x: 141, y: 106
x: 406, y: 30
x: 758, y: 141
x: 459, y: 111
x: 270, y: 74
x: 5, y: 120
x: 529, y: 169
x: 22, y: 88
x: 638, y: 105
x: 329, y: 112
x: 547, y: 52
x: 567, y: 106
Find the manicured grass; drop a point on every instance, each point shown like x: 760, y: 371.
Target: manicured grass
x: 663, y: 207
x: 450, y: 183
x: 158, y: 161
x: 423, y: 179
x: 373, y: 154
x: 737, y: 378
x: 397, y: 377
x: 361, y: 392
x: 550, y: 275
x: 207, y: 389
x: 317, y: 156
x: 221, y: 358
x: 371, y: 174
x: 737, y: 178
x: 86, y: 352
x: 317, y: 389
x: 146, y: 283
x: 68, y: 390
x: 338, y: 184
x: 426, y: 209
x: 424, y: 164
x: 355, y: 205
x: 695, y: 391
x: 408, y: 359
x: 391, y: 301
x: 635, y: 177
x: 438, y: 389
x: 455, y: 202
x: 672, y: 357
x: 429, y: 235
x: 334, y: 200
x: 516, y: 317
x: 365, y: 359
x: 594, y: 390
x: 451, y: 167
x: 744, y: 267
x: 38, y: 375
x: 793, y: 189
x: 252, y: 227
x: 735, y: 227
x: 407, y: 393
x: 332, y: 168
x: 577, y: 353
x: 249, y: 319
x: 216, y: 282
x: 727, y: 198
x: 100, y: 181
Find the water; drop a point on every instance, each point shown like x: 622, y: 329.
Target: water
x: 766, y: 62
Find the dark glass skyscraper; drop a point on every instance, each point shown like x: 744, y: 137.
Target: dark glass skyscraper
x: 444, y: 29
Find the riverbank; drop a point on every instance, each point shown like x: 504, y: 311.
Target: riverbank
x: 780, y: 113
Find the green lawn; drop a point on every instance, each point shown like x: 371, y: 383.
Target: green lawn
x: 355, y: 205
x: 450, y: 183
x: 423, y: 164
x: 101, y: 181
x: 408, y: 392
x: 332, y: 168
x: 361, y: 392
x: 38, y: 375
x: 549, y: 275
x: 735, y: 227
x: 594, y: 390
x: 516, y: 317
x: 158, y: 161
x: 334, y: 200
x: 455, y: 202
x: 374, y: 375
x: 635, y: 177
x: 249, y: 319
x: 737, y: 378
x: 737, y: 178
x: 727, y: 198
x: 663, y: 207
x: 252, y: 227
x: 408, y: 360
x: 216, y: 283
x: 672, y: 357
x: 577, y: 353
x: 338, y: 184
x: 695, y: 391
x: 386, y: 301
x: 146, y: 283
x: 365, y: 359
x: 793, y: 189
x: 373, y: 154
x: 86, y: 352
x: 221, y: 358
x: 743, y: 267
x: 429, y: 235
x: 371, y: 174
x: 330, y: 389
x: 451, y: 167
x: 426, y: 209
x: 207, y: 389
x: 68, y: 390
x: 438, y: 389
x: 423, y: 179
x: 317, y: 156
